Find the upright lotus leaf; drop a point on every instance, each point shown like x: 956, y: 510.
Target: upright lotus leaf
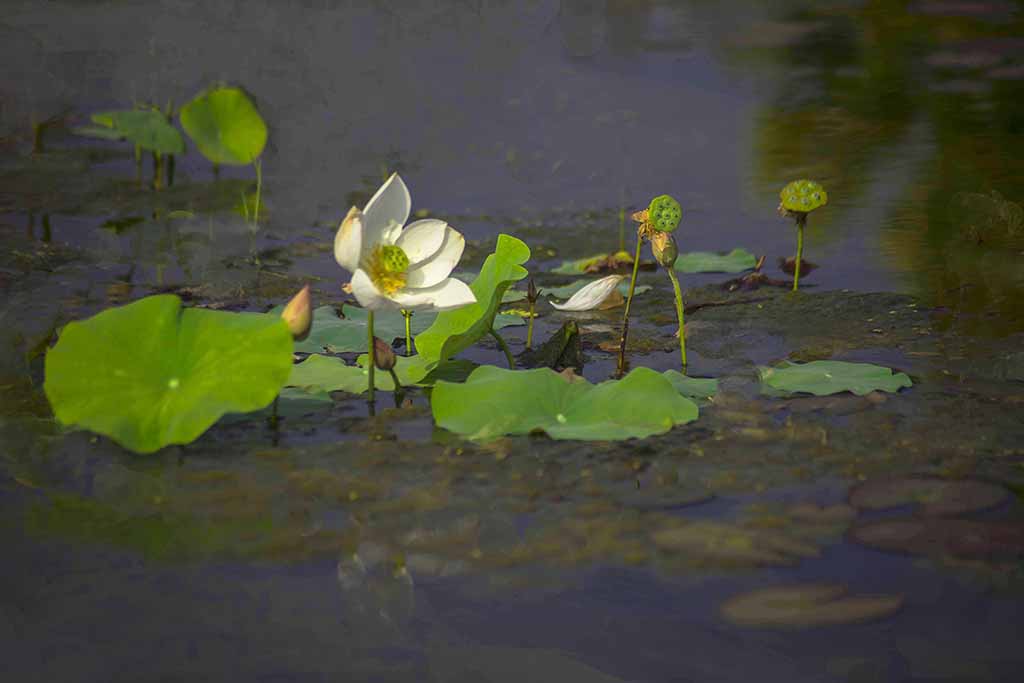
x: 225, y: 125
x: 151, y: 373
x: 456, y: 330
x: 735, y: 261
x: 824, y: 377
x: 493, y: 402
x: 803, y: 196
x: 146, y: 128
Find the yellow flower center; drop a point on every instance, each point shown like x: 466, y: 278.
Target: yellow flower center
x: 387, y: 266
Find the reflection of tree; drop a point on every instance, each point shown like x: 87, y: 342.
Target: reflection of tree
x: 852, y: 88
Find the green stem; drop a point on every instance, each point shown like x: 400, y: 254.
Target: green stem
x: 529, y: 326
x: 629, y: 300
x: 679, y: 314
x: 800, y: 221
x: 258, y: 164
x: 273, y: 412
x: 157, y: 171
x: 373, y: 356
x: 408, y: 331
x: 394, y: 378
x: 138, y: 165
x: 504, y: 347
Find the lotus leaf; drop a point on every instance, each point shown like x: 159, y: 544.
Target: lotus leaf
x: 935, y: 496
x: 320, y: 374
x: 824, y: 377
x: 735, y: 261
x: 456, y: 330
x: 224, y: 124
x: 146, y: 128
x: 692, y: 387
x: 152, y: 373
x: 807, y: 605
x: 494, y: 401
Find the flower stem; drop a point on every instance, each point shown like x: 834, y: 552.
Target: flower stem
x: 258, y: 164
x: 408, y: 331
x: 529, y: 326
x: 679, y: 314
x: 629, y: 300
x: 504, y: 347
x: 800, y: 221
x: 372, y: 364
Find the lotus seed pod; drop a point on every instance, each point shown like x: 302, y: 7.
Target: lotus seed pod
x: 664, y: 213
x: 298, y: 314
x: 663, y: 246
x: 394, y: 259
x: 383, y: 354
x: 802, y: 196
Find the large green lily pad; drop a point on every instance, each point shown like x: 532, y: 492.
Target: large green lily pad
x: 735, y: 261
x: 456, y: 330
x: 824, y: 377
x: 224, y: 124
x: 152, y: 373
x: 806, y: 606
x: 494, y: 401
x: 146, y: 128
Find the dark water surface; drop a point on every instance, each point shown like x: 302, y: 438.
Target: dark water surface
x: 349, y: 547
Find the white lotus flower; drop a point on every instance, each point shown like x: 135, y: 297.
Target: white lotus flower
x: 396, y: 268
x: 592, y: 295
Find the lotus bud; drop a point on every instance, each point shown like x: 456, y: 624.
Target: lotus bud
x: 383, y: 355
x: 298, y: 314
x: 532, y: 293
x: 664, y: 248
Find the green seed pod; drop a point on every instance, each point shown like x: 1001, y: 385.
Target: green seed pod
x: 664, y: 213
x: 394, y: 259
x: 803, y: 196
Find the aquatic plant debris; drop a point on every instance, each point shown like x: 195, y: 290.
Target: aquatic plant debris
x: 174, y: 372
x: 495, y: 402
x: 457, y: 330
x: 567, y: 291
x: 591, y: 295
x: 824, y: 377
x: 806, y: 606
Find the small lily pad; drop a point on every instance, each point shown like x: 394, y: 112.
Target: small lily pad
x: 824, y: 377
x: 806, y: 606
x: 224, y: 124
x: 934, y: 496
x: 152, y: 373
x: 717, y: 544
x: 940, y: 536
x: 493, y: 402
x: 735, y: 261
x: 692, y: 387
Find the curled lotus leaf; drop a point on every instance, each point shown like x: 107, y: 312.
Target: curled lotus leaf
x: 807, y: 605
x: 934, y: 496
x: 803, y: 196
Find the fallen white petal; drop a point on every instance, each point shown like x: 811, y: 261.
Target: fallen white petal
x: 437, y: 267
x: 591, y: 296
x: 449, y: 293
x: 348, y: 241
x: 367, y: 294
x: 421, y: 239
x: 388, y: 208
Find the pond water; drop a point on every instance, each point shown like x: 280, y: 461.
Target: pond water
x: 344, y: 546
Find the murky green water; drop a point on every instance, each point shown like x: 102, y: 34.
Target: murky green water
x: 348, y: 547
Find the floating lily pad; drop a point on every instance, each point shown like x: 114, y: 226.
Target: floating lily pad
x: 735, y: 261
x: 598, y: 263
x: 321, y: 374
x: 146, y: 128
x: 494, y: 401
x: 806, y: 606
x: 714, y: 543
x: 454, y: 331
x: 692, y: 387
x: 224, y: 124
x: 803, y: 196
x: 151, y: 373
x: 938, y: 536
x: 666, y: 496
x: 824, y: 377
x: 934, y: 496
